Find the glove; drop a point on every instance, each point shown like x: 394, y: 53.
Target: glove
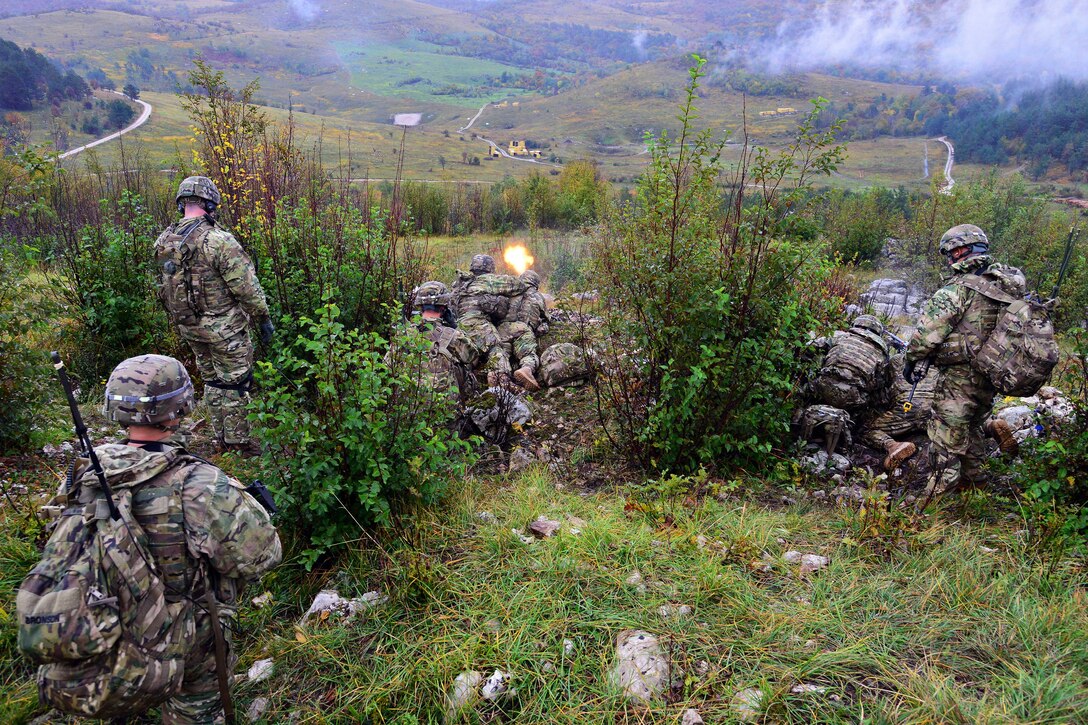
x: 267, y: 328
x: 908, y: 371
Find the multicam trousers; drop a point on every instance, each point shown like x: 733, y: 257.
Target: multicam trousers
x: 962, y: 401
x: 199, y: 702
x: 519, y: 343
x: 228, y: 363
x: 483, y: 334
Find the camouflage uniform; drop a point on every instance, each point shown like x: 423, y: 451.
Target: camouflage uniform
x: 954, y: 324
x: 526, y: 318
x: 563, y: 363
x: 856, y: 374
x: 893, y: 423
x: 210, y: 289
x: 485, y: 301
x: 205, y: 533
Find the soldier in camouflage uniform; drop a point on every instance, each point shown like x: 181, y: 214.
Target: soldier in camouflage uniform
x: 453, y: 356
x: 218, y: 539
x: 856, y: 373
x: 210, y: 290
x: 483, y: 303
x: 526, y: 318
x: 880, y: 431
x: 954, y: 324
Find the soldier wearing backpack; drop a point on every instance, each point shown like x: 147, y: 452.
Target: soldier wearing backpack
x: 955, y: 326
x: 132, y: 603
x: 210, y: 290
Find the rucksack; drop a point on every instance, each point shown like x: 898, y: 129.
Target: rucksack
x: 94, y: 613
x: 563, y: 363
x: 1021, y: 351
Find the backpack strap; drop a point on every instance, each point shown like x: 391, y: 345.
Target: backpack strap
x: 986, y: 288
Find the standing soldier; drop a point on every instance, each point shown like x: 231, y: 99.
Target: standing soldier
x: 955, y: 323
x: 210, y: 289
x: 526, y: 318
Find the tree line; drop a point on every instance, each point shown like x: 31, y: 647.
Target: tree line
x: 28, y: 77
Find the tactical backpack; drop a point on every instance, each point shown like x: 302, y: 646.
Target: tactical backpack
x: 94, y: 612
x: 856, y: 372
x: 1021, y: 352
x: 563, y: 364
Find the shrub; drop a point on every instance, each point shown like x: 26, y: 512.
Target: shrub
x: 1052, y: 472
x: 24, y: 368
x: 104, y: 274
x: 356, y: 439
x: 708, y: 304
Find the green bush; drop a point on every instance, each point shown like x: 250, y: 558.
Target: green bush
x: 24, y: 367
x: 355, y: 439
x: 1052, y: 471
x: 105, y: 275
x: 708, y: 304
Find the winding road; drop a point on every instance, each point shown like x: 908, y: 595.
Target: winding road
x: 498, y: 148
x: 949, y: 182
x: 144, y: 115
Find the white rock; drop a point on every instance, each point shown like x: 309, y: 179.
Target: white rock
x: 792, y: 557
x: 568, y: 648
x: 329, y: 600
x: 262, y: 601
x: 464, y: 693
x: 261, y: 670
x: 674, y: 611
x: 691, y: 717
x: 257, y: 709
x: 642, y: 670
x: 813, y: 562
x: 806, y: 689
x: 1019, y: 417
x: 747, y: 703
x: 548, y: 666
x: 497, y: 687
x: 487, y: 517
x: 524, y: 539
x: 635, y: 581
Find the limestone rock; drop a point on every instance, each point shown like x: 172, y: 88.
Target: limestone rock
x: 261, y: 670
x: 257, y: 709
x: 486, y: 517
x: 520, y: 459
x: 642, y: 669
x: 691, y: 717
x: 674, y: 611
x: 635, y: 581
x: 747, y: 704
x: 262, y: 601
x: 329, y: 600
x: 497, y: 687
x: 464, y: 693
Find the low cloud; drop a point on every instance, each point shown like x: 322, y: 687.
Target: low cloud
x: 979, y: 39
x: 306, y: 10
x: 638, y: 40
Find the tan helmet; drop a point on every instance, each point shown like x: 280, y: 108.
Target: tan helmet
x: 868, y: 322
x: 530, y: 278
x: 963, y: 235
x: 482, y: 264
x: 431, y: 293
x: 148, y: 390
x: 200, y: 187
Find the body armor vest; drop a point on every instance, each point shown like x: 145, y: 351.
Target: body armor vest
x: 974, y: 326
x: 191, y: 287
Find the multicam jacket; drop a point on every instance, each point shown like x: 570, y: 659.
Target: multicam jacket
x: 489, y: 295
x: 530, y: 308
x: 856, y: 372
x: 957, y: 320
x: 208, y: 283
x: 200, y: 522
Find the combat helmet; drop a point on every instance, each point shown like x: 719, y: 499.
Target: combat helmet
x: 148, y: 390
x: 868, y: 322
x: 964, y: 235
x: 530, y: 278
x: 482, y: 264
x: 200, y: 187
x: 431, y: 293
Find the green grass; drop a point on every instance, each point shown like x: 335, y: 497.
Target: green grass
x: 944, y: 631
x: 416, y: 70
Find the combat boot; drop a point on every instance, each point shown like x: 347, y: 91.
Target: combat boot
x: 897, y: 453
x: 525, y: 377
x: 1001, y: 431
